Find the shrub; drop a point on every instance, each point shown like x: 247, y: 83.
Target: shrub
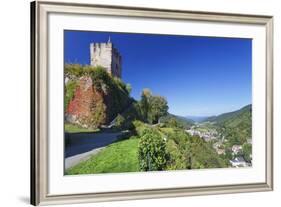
x: 191, y: 152
x: 98, y: 114
x: 203, y: 155
x: 76, y: 70
x: 152, y: 151
x: 247, y: 151
x: 140, y: 127
x: 119, y: 121
x: 70, y: 88
x: 179, y: 148
x: 176, y: 159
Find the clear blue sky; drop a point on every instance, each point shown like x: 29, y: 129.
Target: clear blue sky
x: 199, y: 76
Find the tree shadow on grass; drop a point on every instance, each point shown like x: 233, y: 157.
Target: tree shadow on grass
x: 78, y: 143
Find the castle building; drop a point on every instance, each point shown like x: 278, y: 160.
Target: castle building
x: 107, y: 56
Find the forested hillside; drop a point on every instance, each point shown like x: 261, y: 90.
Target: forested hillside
x: 236, y: 125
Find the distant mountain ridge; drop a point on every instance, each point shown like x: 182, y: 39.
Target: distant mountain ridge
x: 185, y: 122
x: 226, y: 117
x: 219, y: 118
x: 197, y: 118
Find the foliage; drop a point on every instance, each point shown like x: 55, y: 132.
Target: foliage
x: 227, y: 156
x: 144, y: 102
x: 158, y: 107
x: 204, y: 156
x: 70, y: 88
x: 75, y: 71
x: 140, y: 127
x: 230, y: 115
x: 114, y: 93
x: 152, y: 107
x: 121, y: 156
x: 131, y: 114
x: 174, y: 123
x: 148, y: 151
x: 191, y: 152
x: 177, y: 160
x: 98, y: 115
x: 178, y: 146
x: 247, y: 151
x: 128, y: 88
x: 152, y: 151
x: 171, y: 120
x: 236, y: 126
x: 119, y: 121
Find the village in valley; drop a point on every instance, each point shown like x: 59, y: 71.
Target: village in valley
x: 208, y: 131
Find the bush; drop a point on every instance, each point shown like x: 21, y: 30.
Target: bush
x: 119, y: 121
x: 191, y: 152
x: 204, y: 156
x: 76, y: 70
x: 247, y: 152
x: 152, y: 151
x: 173, y: 123
x: 139, y: 127
x: 179, y: 148
x: 70, y: 88
x: 177, y: 159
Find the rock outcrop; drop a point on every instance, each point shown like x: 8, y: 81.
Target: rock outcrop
x: 96, y: 103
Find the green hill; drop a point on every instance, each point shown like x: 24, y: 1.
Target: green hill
x: 171, y: 119
x: 236, y: 125
x: 231, y: 116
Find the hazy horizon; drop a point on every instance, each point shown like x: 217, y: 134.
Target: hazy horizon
x: 204, y: 116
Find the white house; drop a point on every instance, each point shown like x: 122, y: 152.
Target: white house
x: 238, y: 162
x: 236, y: 149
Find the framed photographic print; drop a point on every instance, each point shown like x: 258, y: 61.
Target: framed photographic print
x: 135, y: 103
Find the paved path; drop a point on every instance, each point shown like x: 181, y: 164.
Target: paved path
x: 83, y: 145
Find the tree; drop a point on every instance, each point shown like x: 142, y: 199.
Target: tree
x: 152, y: 107
x: 158, y: 107
x: 128, y: 88
x: 247, y: 151
x: 174, y: 123
x: 119, y: 121
x: 144, y: 102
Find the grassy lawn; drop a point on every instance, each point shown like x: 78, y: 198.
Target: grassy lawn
x: 72, y: 128
x: 121, y: 156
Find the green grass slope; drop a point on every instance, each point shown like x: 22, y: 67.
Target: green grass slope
x: 117, y: 157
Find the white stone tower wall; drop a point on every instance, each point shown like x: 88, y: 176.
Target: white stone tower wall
x: 105, y: 55
x: 116, y: 63
x: 101, y: 55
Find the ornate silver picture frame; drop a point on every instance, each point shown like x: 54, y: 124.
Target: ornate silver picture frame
x: 40, y: 99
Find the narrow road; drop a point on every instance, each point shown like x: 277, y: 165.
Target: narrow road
x: 83, y: 145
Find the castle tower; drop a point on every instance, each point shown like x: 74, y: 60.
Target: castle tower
x: 107, y: 56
